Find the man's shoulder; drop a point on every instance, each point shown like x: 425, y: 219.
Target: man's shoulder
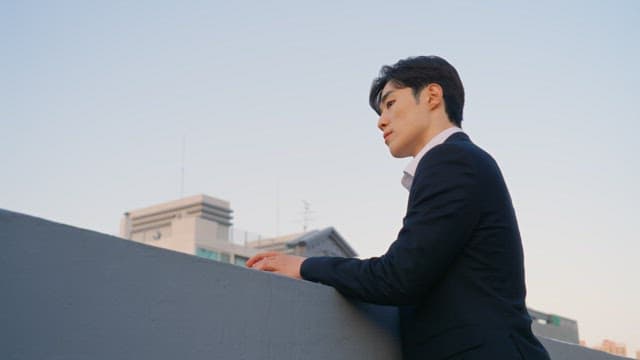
x: 457, y: 147
x: 457, y: 154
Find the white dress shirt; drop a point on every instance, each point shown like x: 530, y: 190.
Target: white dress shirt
x: 410, y: 170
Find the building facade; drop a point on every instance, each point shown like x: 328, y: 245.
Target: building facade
x: 554, y: 326
x: 197, y: 225
x: 325, y: 242
x: 201, y: 225
x: 612, y: 347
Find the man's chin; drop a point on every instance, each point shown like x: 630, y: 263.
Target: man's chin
x: 397, y: 154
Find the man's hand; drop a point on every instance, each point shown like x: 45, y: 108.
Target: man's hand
x: 287, y: 265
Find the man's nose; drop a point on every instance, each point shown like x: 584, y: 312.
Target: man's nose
x: 382, y: 122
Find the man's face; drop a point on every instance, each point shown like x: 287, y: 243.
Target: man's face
x: 403, y: 121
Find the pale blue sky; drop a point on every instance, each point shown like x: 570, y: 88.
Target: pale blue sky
x: 95, y: 98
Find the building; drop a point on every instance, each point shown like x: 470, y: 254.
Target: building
x: 612, y: 347
x: 554, y: 327
x: 325, y: 242
x: 201, y: 225
x: 197, y: 225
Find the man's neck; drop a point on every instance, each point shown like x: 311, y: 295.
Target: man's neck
x: 436, y: 128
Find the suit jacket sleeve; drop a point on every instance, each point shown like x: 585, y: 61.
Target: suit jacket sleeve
x: 442, y: 211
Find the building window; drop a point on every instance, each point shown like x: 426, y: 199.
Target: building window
x: 208, y: 254
x: 224, y: 257
x: 240, y: 260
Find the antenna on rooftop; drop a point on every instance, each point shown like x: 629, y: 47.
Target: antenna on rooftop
x: 277, y: 208
x: 306, y: 215
x: 184, y: 145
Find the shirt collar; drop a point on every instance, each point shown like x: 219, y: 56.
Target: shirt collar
x: 410, y: 170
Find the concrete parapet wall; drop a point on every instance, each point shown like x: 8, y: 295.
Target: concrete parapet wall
x: 68, y: 293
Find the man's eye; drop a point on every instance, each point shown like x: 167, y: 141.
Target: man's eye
x: 389, y: 103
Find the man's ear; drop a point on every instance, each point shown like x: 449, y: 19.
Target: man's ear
x: 431, y: 95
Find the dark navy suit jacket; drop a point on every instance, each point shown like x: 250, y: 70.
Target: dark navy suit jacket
x: 456, y: 269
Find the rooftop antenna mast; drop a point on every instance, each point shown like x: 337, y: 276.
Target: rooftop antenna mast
x: 184, y: 145
x: 277, y: 208
x: 306, y: 215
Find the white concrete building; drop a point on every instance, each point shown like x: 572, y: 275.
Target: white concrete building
x: 201, y: 225
x: 197, y: 225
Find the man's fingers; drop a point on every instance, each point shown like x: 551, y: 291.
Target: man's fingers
x: 265, y: 264
x: 275, y: 262
x: 258, y: 257
x: 254, y: 259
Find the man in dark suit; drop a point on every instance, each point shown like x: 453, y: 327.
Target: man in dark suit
x: 456, y: 269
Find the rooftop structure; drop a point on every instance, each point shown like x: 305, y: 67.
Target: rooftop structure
x: 325, y: 242
x: 554, y: 326
x: 612, y: 347
x: 197, y: 225
x: 201, y: 225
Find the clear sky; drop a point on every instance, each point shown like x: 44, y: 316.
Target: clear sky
x: 271, y: 97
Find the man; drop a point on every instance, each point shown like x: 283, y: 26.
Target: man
x: 456, y: 269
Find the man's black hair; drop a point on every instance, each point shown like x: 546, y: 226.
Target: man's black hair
x: 417, y: 73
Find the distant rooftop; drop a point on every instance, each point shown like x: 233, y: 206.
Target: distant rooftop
x: 182, y: 203
x: 323, y: 242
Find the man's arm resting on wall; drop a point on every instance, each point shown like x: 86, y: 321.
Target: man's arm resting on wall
x: 441, y: 214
